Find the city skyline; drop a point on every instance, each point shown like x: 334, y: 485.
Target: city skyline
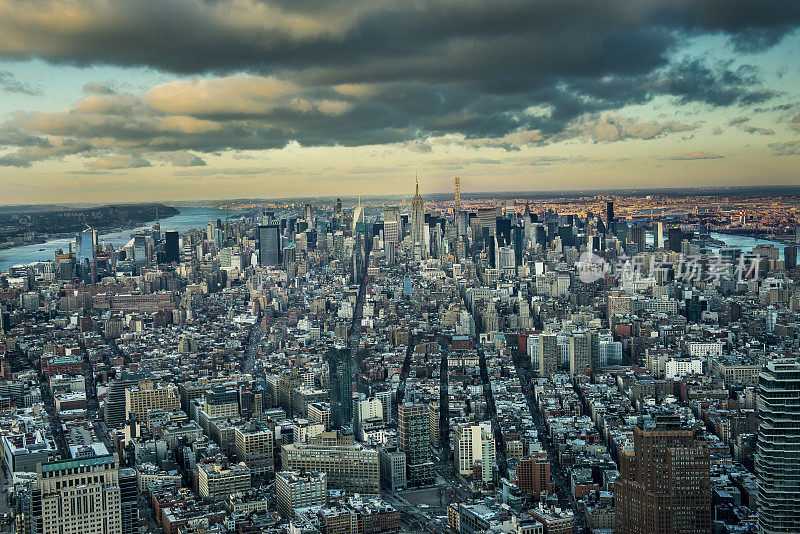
x: 571, y: 365
x: 111, y: 101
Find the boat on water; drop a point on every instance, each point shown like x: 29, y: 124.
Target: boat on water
x: 41, y: 250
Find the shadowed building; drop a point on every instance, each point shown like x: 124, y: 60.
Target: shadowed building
x: 664, y: 485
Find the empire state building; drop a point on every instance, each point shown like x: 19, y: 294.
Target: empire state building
x: 418, y: 222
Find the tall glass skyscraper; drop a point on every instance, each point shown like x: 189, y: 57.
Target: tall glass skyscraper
x: 171, y: 248
x: 140, y: 251
x: 269, y: 245
x: 86, y: 245
x: 778, y: 452
x: 341, y: 387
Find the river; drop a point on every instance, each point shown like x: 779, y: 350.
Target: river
x: 188, y: 218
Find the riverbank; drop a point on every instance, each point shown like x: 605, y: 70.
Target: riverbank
x: 185, y: 219
x: 762, y: 236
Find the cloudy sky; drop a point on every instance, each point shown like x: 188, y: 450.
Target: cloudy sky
x: 115, y: 100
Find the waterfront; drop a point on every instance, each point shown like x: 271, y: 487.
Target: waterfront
x: 188, y: 218
x: 198, y: 217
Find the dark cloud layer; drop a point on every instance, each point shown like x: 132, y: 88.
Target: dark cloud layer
x: 351, y: 73
x: 431, y: 38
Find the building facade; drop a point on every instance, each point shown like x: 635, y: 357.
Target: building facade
x: 778, y: 455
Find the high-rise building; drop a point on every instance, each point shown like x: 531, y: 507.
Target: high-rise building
x: 457, y: 206
x: 548, y: 354
x: 475, y: 450
x: 414, y: 428
x: 393, y: 469
x: 129, y: 500
x: 533, y: 476
x: 171, y: 248
x: 502, y: 230
x: 114, y: 405
x: 358, y: 219
x: 418, y: 220
x: 675, y: 239
x: 638, y: 236
x: 140, y: 254
x: 584, y: 353
x: 790, y: 257
x: 487, y: 217
x: 341, y: 387
x: 294, y: 490
x: 659, y: 237
x: 391, y: 226
x: 86, y: 246
x: 309, y: 213
x: 609, y: 212
x: 778, y: 453
x: 269, y: 244
x: 79, y: 495
x: 665, y: 483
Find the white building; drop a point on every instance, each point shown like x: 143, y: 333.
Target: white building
x: 475, y: 447
x: 682, y: 367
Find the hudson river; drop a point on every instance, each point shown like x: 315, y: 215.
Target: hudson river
x: 187, y: 218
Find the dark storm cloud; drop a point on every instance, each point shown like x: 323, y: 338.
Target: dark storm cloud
x: 693, y: 80
x: 335, y: 72
x: 432, y: 39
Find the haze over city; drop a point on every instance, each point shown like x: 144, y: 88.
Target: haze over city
x: 113, y: 100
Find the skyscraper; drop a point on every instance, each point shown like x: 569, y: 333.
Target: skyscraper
x: 609, y: 212
x: 475, y: 450
x: 675, y: 238
x: 584, y: 353
x: 488, y: 219
x: 269, y: 244
x: 414, y: 429
x: 457, y: 207
x: 533, y: 475
x: 638, y: 236
x: 86, y: 246
x: 341, y: 387
x: 391, y: 225
x: 417, y: 220
x: 659, y: 237
x: 548, y: 354
x: 790, y: 258
x: 140, y: 255
x: 80, y: 495
x: 171, y: 249
x: 778, y: 454
x: 665, y: 483
x: 129, y: 501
